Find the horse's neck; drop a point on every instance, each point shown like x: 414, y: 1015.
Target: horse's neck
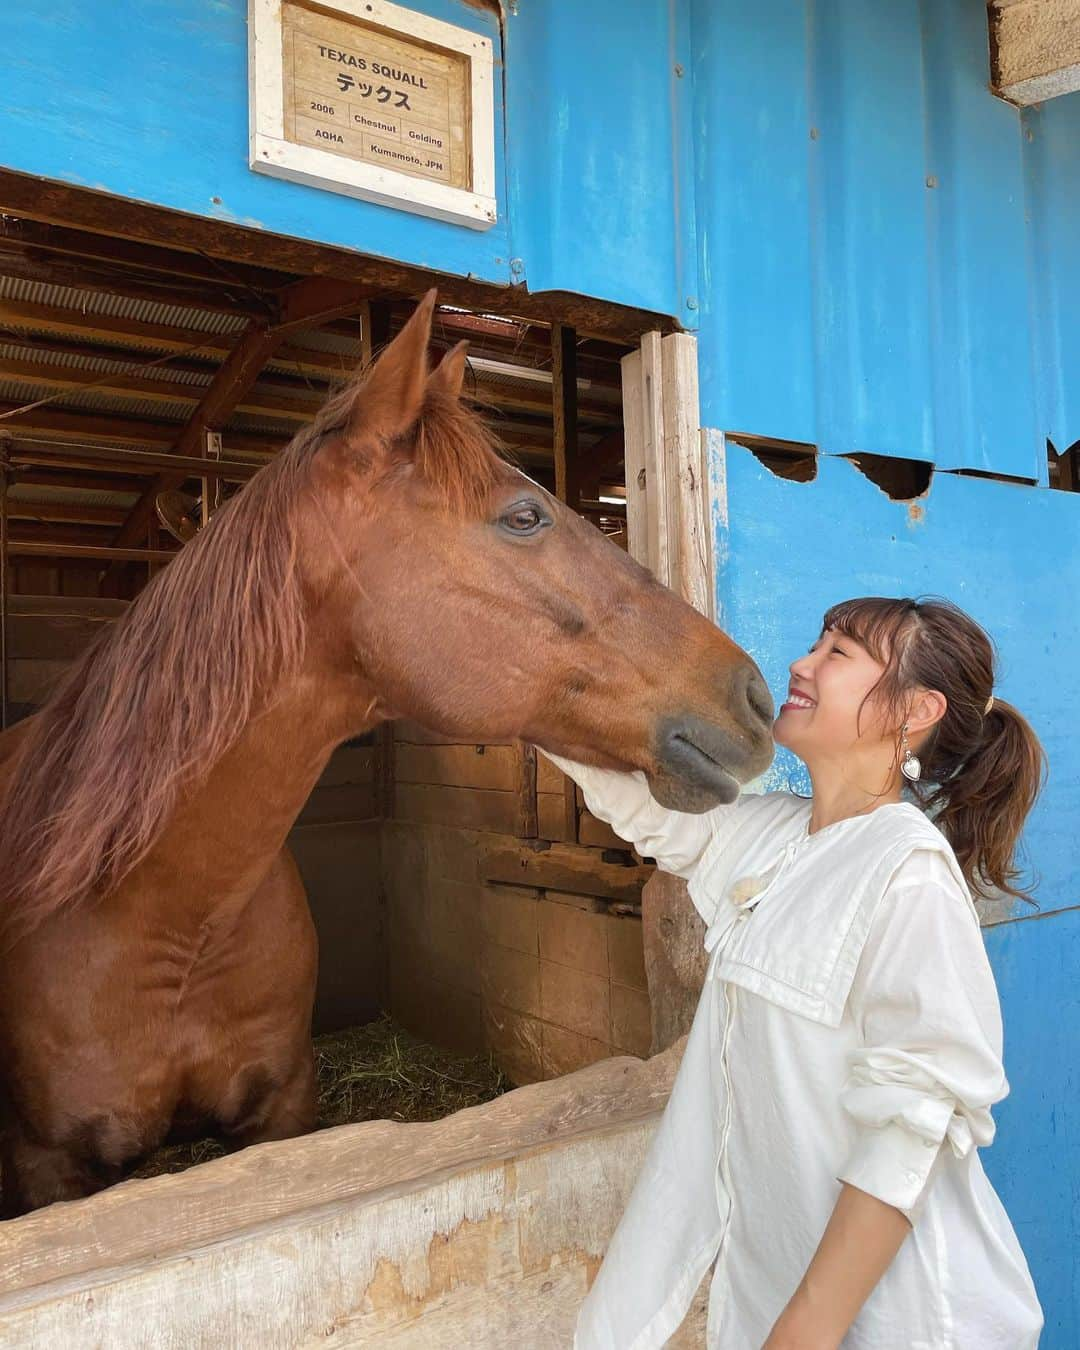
x: 223, y: 838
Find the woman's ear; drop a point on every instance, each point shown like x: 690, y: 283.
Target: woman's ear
x: 928, y: 707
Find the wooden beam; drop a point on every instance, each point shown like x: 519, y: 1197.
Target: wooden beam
x: 307, y: 302
x: 528, y: 826
x: 25, y: 548
x: 83, y: 208
x: 135, y: 256
x: 83, y: 512
x: 57, y: 424
x: 565, y: 867
x: 564, y: 407
x: 1034, y: 49
x: 300, y: 408
x: 134, y: 461
x: 24, y: 265
x: 232, y: 381
x: 667, y: 476
x: 60, y: 322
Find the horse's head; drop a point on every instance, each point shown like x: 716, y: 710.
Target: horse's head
x: 468, y: 598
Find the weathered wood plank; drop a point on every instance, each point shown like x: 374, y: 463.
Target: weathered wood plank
x: 690, y: 553
x: 564, y: 409
x: 468, y: 808
x: 475, y: 766
x: 412, y: 733
x: 548, y: 777
x: 551, y: 817
x: 525, y: 786
x: 565, y: 868
x: 137, y: 1225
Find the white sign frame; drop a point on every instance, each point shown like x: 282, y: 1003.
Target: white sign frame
x: 270, y: 153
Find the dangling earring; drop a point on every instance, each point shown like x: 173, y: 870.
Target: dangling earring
x: 910, y: 768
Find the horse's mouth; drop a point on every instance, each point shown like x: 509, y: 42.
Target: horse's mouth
x: 695, y: 766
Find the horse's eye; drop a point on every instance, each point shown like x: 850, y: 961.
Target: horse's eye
x: 523, y: 519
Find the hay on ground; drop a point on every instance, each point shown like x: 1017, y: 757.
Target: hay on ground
x: 373, y: 1072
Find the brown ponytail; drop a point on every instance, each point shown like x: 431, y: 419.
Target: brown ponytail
x: 982, y: 770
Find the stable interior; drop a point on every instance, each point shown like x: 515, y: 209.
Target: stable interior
x: 463, y: 890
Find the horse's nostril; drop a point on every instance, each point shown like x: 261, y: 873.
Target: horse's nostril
x: 759, y: 698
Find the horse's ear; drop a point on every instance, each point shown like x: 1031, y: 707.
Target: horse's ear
x: 449, y: 375
x: 388, y: 402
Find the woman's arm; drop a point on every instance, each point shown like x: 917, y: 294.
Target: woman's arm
x: 861, y: 1239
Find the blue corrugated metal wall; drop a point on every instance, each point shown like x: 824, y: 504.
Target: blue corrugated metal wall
x: 149, y: 100
x: 889, y: 255
x: 879, y: 256
x: 889, y: 261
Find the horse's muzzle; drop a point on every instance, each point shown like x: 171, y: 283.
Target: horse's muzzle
x: 700, y: 764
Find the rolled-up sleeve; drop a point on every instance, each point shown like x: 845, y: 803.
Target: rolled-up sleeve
x: 675, y: 839
x: 929, y: 1066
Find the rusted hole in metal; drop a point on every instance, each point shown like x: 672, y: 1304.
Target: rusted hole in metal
x: 903, y: 480
x: 794, y: 460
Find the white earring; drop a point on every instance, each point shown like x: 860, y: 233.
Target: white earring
x: 911, y: 768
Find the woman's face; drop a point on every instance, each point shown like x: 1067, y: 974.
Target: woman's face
x: 820, y: 718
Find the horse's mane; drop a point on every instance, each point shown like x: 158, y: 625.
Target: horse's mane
x: 163, y: 693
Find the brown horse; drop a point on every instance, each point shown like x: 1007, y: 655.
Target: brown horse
x: 159, y: 958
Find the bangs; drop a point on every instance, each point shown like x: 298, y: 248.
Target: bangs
x: 877, y: 623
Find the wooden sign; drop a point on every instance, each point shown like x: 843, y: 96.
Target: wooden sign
x: 368, y: 98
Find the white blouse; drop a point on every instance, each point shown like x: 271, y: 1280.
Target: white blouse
x: 849, y: 1031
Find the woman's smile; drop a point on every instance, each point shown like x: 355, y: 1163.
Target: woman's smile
x: 796, y: 699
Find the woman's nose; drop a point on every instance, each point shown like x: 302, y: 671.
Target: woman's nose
x: 800, y: 667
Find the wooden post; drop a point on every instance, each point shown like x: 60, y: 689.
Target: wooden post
x: 564, y: 414
x: 5, y: 465
x: 528, y: 820
x: 689, y: 551
x: 667, y: 479
x: 384, y: 770
x: 374, y: 329
x: 669, y: 530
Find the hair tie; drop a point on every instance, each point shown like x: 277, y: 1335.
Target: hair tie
x: 989, y: 705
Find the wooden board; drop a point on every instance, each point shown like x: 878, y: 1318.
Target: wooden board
x: 467, y: 808
x: 475, y: 766
x: 551, y: 817
x: 565, y: 868
x: 409, y: 1235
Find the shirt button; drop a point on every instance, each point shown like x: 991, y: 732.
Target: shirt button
x: 929, y: 1143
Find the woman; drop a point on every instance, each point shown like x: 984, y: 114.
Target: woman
x: 820, y: 1142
